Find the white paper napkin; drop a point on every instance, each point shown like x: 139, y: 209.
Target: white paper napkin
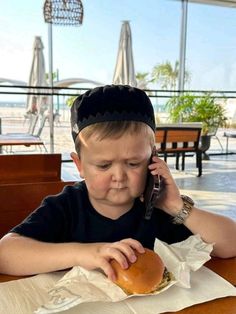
x: 81, y: 286
x: 25, y: 296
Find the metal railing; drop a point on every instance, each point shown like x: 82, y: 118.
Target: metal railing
x: 161, y: 93
x: 10, y: 95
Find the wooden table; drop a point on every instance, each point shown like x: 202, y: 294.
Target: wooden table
x: 224, y: 267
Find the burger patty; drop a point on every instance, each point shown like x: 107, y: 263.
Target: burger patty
x: 167, y: 278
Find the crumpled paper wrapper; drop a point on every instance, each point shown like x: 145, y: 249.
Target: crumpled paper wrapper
x: 80, y: 286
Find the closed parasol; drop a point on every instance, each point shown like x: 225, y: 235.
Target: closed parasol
x: 124, y: 70
x: 37, y: 78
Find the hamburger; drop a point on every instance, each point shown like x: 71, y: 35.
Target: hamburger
x: 147, y: 275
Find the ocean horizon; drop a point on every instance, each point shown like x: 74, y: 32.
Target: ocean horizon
x: 13, y: 104
x: 22, y: 104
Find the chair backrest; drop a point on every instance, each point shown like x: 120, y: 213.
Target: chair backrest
x: 178, y: 137
x: 43, y: 119
x: 19, y: 200
x: 33, y: 121
x: 30, y: 168
x: 213, y: 130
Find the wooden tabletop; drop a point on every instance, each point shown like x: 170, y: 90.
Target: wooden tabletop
x: 226, y: 268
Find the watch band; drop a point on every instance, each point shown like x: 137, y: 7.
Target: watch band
x: 183, y: 214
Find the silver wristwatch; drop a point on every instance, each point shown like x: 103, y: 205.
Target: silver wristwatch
x: 182, y: 215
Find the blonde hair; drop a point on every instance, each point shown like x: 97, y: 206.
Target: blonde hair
x: 114, y: 129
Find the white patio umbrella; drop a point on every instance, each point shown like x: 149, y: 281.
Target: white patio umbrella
x: 37, y: 103
x: 124, y: 70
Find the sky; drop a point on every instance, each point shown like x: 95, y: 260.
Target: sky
x: 90, y: 51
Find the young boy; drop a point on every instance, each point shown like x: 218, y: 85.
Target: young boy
x: 102, y: 217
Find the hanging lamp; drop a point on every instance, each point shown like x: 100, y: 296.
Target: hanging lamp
x: 63, y: 12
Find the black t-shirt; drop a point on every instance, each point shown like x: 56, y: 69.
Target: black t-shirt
x: 70, y: 217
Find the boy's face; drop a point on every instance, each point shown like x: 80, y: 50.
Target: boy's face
x: 114, y: 169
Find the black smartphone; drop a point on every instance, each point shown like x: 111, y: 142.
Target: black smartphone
x: 151, y: 192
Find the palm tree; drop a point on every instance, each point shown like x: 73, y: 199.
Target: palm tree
x: 142, y: 80
x: 167, y: 75
x: 54, y: 76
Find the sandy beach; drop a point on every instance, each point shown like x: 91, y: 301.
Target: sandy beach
x: 13, y: 121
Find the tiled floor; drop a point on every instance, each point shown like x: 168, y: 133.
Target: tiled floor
x: 215, y: 190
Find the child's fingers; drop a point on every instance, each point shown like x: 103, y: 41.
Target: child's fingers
x: 128, y: 248
x: 118, y: 253
x: 134, y: 244
x: 160, y: 169
x: 124, y: 251
x: 159, y: 166
x: 155, y: 158
x: 107, y: 269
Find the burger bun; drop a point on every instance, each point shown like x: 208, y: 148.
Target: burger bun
x: 142, y: 276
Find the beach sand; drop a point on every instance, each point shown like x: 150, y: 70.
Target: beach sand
x: 13, y: 121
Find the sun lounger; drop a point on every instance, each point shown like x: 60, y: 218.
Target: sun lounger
x: 25, y: 139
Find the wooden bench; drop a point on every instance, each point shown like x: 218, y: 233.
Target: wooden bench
x: 180, y: 139
x: 30, y: 168
x: 17, y: 201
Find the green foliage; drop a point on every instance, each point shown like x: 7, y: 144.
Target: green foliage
x: 143, y: 80
x: 167, y: 74
x: 164, y: 74
x: 205, y: 109
x: 70, y: 100
x: 54, y: 76
x: 140, y: 76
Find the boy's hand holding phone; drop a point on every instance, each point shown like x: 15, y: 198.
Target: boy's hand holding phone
x: 168, y: 196
x: 151, y: 193
x: 151, y: 190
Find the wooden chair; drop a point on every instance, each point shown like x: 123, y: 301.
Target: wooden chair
x: 30, y: 168
x: 33, y: 119
x: 19, y: 200
x: 179, y: 139
x: 25, y: 180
